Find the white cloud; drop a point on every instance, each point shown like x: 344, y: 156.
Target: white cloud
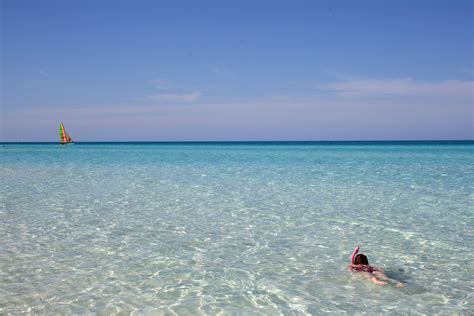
x: 401, y: 87
x: 162, y: 84
x: 467, y: 71
x: 176, y: 97
x: 218, y: 69
x: 167, y: 92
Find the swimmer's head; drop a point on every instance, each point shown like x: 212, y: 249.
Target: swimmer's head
x: 361, y: 259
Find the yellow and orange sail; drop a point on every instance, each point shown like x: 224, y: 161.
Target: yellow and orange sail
x: 64, y: 137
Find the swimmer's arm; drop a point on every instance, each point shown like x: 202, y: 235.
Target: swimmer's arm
x: 377, y: 281
x: 373, y: 279
x: 382, y: 277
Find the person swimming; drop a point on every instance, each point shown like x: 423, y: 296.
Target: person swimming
x: 360, y: 263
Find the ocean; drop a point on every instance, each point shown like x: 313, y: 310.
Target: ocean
x: 262, y: 228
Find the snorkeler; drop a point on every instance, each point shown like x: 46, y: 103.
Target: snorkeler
x: 360, y: 263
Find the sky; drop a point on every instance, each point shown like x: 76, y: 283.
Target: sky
x: 236, y: 70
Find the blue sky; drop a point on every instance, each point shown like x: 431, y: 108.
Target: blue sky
x: 237, y: 70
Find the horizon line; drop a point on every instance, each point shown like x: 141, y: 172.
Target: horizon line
x: 244, y: 141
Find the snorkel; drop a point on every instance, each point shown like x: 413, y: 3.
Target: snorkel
x: 356, y: 250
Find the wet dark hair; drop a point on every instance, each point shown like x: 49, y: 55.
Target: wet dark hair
x: 361, y: 259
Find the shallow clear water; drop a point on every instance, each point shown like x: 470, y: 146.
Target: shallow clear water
x: 235, y: 228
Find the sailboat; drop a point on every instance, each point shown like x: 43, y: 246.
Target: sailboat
x: 64, y: 137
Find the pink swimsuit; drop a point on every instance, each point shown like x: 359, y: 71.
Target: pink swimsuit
x: 362, y: 268
x: 359, y: 267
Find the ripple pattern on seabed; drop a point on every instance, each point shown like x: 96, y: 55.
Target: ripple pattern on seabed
x: 209, y: 229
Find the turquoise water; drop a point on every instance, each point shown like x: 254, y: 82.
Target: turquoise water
x: 245, y: 228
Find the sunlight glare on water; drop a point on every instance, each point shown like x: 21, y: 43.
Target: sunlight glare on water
x: 262, y: 228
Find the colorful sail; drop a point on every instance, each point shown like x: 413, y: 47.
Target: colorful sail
x: 64, y: 137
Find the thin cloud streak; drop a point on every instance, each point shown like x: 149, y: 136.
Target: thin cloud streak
x: 401, y: 87
x: 162, y: 84
x: 176, y: 97
x: 168, y: 93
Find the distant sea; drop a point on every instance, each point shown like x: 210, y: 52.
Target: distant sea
x: 235, y: 228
